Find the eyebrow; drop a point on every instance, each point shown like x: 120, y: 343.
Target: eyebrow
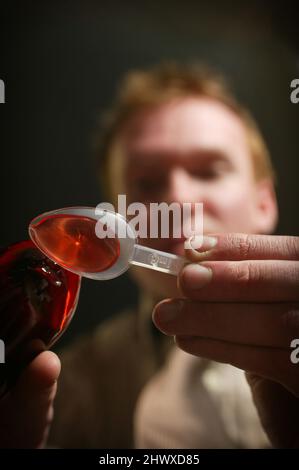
x: 146, y: 160
x: 209, y: 154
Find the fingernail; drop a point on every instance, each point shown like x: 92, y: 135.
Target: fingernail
x: 201, y: 244
x: 195, y: 276
x: 167, y: 311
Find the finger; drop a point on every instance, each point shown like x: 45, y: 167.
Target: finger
x: 273, y: 324
x: 241, y: 246
x: 271, y: 363
x: 240, y: 281
x: 28, y: 407
x: 41, y: 374
x: 280, y: 422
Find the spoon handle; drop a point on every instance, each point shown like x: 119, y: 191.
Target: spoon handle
x: 157, y: 260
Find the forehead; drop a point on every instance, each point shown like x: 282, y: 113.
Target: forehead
x: 185, y: 125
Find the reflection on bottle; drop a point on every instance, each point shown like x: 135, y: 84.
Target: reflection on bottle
x: 37, y: 301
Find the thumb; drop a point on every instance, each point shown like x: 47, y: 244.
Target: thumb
x: 29, y: 408
x: 40, y: 375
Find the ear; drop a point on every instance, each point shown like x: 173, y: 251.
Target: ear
x: 266, y: 206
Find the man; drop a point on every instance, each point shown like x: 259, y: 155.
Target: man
x: 177, y: 135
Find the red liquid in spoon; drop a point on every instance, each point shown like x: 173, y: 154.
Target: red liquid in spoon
x: 71, y: 241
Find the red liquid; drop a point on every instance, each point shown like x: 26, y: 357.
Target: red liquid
x: 72, y: 242
x: 37, y: 301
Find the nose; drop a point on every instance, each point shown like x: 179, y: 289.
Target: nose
x: 181, y: 186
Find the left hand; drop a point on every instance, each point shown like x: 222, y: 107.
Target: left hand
x: 241, y: 306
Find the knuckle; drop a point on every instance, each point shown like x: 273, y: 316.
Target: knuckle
x: 292, y: 244
x: 244, y: 243
x: 244, y: 273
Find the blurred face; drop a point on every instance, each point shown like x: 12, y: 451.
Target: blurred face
x: 190, y: 150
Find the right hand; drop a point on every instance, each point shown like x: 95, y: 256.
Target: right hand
x: 26, y: 411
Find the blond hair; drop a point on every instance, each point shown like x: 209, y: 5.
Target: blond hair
x: 142, y: 89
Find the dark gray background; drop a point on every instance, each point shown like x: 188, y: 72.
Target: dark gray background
x: 61, y: 62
